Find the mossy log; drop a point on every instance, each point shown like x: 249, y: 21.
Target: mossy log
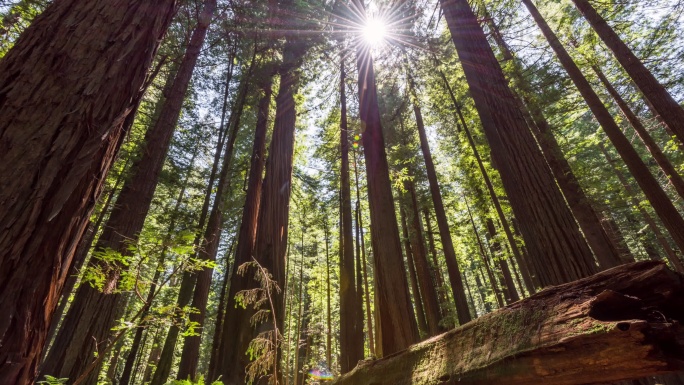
x: 620, y: 324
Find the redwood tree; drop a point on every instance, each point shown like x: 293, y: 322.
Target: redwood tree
x: 556, y: 247
x: 93, y: 312
x: 67, y: 87
x: 351, y: 332
x: 442, y: 223
x: 397, y: 328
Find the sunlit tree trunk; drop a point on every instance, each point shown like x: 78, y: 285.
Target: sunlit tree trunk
x: 392, y: 300
x: 604, y: 249
x: 652, y: 225
x: 555, y: 245
x: 442, y: 223
x: 50, y: 187
x: 510, y: 292
x: 522, y: 262
x: 272, y: 224
x: 364, y: 263
x: 665, y: 165
x: 428, y: 293
x: 351, y: 333
x: 671, y: 113
x: 227, y: 133
x: 662, y: 204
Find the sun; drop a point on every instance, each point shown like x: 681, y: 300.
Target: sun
x: 374, y: 31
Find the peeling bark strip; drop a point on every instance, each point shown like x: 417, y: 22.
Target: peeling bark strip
x: 616, y: 325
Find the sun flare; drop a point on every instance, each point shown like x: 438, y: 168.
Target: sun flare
x: 374, y: 31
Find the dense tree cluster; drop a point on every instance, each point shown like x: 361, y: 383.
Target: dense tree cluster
x: 270, y: 192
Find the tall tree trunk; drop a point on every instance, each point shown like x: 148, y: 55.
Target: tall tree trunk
x: 653, y: 226
x: 364, y: 263
x: 328, y: 337
x: 662, y: 204
x: 248, y: 225
x: 270, y: 243
x: 187, y: 368
x: 81, y: 256
x: 135, y: 345
x: 665, y: 165
x: 555, y: 245
x: 300, y: 315
x: 442, y: 223
x: 522, y: 262
x: 351, y: 334
x: 221, y: 312
x: 671, y: 113
x: 188, y: 281
x: 53, y: 160
x: 91, y: 316
x: 427, y: 286
x: 604, y: 249
x: 420, y: 311
x: 392, y: 299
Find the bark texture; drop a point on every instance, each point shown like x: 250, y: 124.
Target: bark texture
x: 620, y: 324
x: 270, y: 244
x: 66, y: 88
x: 556, y: 248
x: 92, y: 314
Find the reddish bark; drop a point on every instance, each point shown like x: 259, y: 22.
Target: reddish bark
x: 270, y: 243
x: 395, y: 313
x: 665, y: 165
x: 351, y: 332
x: 54, y: 159
x: 417, y: 300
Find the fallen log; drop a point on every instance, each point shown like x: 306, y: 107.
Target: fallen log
x: 620, y: 324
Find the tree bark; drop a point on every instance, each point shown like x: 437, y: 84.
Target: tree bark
x: 270, y: 243
x: 495, y: 247
x: 555, y: 245
x: 188, y: 281
x: 392, y: 300
x: 662, y: 204
x: 442, y: 223
x: 54, y: 159
x: 351, y: 333
x: 604, y: 249
x: 595, y: 330
x: 92, y: 313
x: 671, y: 113
x: 439, y: 279
x: 364, y: 263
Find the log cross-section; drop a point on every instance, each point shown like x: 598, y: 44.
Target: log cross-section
x: 617, y: 325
